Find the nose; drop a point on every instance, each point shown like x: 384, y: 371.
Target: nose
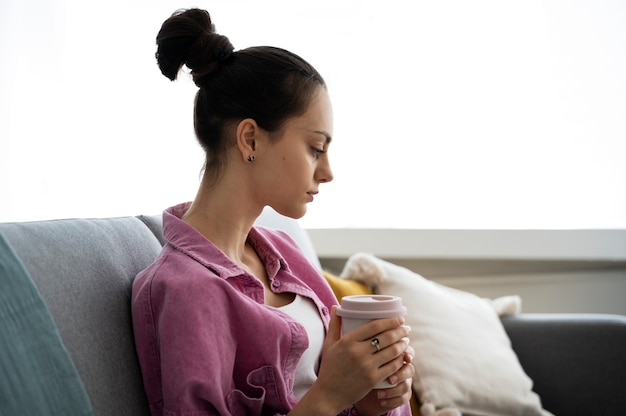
x: 324, y: 173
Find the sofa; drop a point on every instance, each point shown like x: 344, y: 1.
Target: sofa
x: 83, y: 270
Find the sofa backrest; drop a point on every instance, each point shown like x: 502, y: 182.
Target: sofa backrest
x: 83, y: 270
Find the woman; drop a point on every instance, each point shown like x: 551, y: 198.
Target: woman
x: 231, y: 319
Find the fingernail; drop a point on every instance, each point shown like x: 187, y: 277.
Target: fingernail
x: 382, y: 394
x: 393, y: 379
x: 408, y: 328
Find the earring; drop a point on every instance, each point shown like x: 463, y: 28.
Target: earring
x: 251, y: 158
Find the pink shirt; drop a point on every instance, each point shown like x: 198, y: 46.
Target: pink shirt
x: 207, y: 343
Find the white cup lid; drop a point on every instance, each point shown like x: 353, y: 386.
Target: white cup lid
x: 371, y: 306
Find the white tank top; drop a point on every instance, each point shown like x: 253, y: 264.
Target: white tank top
x: 304, y: 311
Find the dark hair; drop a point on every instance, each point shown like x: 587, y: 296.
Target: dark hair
x: 264, y: 83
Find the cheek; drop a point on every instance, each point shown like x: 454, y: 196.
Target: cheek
x: 293, y: 163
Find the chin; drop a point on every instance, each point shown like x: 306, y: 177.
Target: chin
x: 292, y: 212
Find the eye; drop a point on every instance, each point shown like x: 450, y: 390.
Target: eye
x: 317, y: 152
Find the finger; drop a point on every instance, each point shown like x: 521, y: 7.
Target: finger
x: 387, y: 338
x: 398, y: 390
x: 334, y: 326
x: 389, y: 361
x: 391, y: 369
x: 407, y: 371
x: 409, y: 354
x: 404, y: 393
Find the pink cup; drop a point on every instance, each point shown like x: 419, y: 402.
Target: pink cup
x: 360, y: 309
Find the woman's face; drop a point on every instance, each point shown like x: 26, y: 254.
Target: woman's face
x: 295, y: 164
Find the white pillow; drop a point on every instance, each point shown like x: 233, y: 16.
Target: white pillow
x: 464, y: 362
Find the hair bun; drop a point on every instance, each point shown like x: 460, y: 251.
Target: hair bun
x: 188, y: 38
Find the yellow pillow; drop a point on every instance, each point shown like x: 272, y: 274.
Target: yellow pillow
x: 345, y: 287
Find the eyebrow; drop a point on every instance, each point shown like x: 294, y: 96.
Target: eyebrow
x: 325, y: 134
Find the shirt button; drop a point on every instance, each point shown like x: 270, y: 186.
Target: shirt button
x: 275, y: 284
x: 325, y: 310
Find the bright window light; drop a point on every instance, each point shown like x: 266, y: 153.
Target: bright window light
x: 487, y: 114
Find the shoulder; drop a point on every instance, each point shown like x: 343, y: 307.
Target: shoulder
x: 174, y: 276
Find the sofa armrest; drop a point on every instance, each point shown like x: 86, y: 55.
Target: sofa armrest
x: 576, y: 361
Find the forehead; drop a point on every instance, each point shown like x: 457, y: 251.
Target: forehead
x: 318, y: 118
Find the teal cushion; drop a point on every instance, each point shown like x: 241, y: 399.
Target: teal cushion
x: 37, y: 375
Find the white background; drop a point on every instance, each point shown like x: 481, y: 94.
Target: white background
x: 448, y: 114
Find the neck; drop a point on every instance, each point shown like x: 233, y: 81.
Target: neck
x: 224, y: 214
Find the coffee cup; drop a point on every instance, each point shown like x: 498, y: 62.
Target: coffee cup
x: 357, y: 310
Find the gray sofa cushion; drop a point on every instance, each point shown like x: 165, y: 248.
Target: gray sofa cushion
x: 37, y: 375
x: 92, y: 265
x: 575, y: 360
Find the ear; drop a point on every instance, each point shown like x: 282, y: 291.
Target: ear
x: 247, y: 134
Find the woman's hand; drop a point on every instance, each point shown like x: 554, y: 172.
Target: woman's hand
x: 381, y: 401
x: 351, y: 366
